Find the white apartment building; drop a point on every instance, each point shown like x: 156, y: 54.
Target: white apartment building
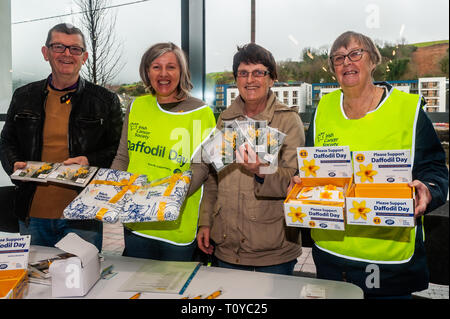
x: 295, y: 94
x: 433, y: 90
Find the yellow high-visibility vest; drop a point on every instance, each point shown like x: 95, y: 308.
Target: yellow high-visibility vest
x: 161, y: 143
x: 392, y: 126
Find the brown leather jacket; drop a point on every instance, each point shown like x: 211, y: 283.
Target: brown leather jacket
x: 246, y: 217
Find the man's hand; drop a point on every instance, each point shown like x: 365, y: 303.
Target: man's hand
x: 19, y: 165
x: 203, y: 240
x: 81, y: 160
x: 423, y: 197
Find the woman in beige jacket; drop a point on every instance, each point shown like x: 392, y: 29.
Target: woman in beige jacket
x: 242, y: 206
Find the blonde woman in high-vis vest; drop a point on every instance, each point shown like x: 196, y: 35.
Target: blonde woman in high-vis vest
x: 161, y: 133
x: 368, y: 115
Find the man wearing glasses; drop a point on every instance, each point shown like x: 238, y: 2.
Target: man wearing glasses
x: 63, y: 118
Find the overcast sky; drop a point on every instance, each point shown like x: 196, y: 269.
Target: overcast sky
x: 284, y: 27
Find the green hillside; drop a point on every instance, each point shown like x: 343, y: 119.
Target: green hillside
x: 426, y: 44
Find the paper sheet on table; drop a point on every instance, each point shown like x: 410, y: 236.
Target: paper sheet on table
x: 313, y: 291
x: 162, y: 276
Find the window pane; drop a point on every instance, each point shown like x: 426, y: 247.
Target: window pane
x: 227, y: 26
x: 300, y: 33
x: 138, y: 26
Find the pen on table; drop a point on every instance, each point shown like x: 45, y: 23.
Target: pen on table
x: 215, y: 294
x: 209, y: 261
x: 136, y: 296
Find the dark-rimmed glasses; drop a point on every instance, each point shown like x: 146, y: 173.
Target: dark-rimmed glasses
x: 61, y: 48
x: 354, y: 55
x: 255, y: 73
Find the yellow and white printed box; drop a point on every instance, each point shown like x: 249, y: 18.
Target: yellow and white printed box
x: 14, y: 252
x: 332, y: 161
x: 319, y: 200
x: 323, y: 213
x: 13, y: 283
x: 381, y: 195
x: 380, y: 167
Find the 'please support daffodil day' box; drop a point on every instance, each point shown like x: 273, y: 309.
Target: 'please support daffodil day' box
x: 319, y: 200
x: 380, y: 194
x: 14, y: 252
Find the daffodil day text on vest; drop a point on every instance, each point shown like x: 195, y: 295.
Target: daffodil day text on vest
x: 180, y: 152
x: 158, y: 150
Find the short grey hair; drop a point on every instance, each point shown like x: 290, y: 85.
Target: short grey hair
x: 155, y: 51
x: 66, y: 28
x: 344, y: 40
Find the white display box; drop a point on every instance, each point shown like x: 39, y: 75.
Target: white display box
x: 75, y: 276
x: 381, y: 195
x: 316, y: 214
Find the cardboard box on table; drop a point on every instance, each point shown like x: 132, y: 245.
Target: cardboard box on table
x: 14, y: 251
x: 319, y: 166
x: 380, y: 195
x: 75, y: 276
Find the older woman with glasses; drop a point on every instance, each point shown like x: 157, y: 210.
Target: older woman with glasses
x: 366, y: 115
x: 242, y: 205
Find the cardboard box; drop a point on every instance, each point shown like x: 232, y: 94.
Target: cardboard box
x: 14, y: 252
x: 316, y: 214
x: 75, y: 276
x: 13, y: 284
x: 320, y: 166
x: 332, y: 161
x: 380, y: 195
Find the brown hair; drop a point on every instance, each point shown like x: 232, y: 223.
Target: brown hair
x: 255, y: 54
x: 155, y: 51
x: 344, y: 40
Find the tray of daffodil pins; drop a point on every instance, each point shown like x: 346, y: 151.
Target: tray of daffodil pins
x: 380, y: 194
x: 319, y: 200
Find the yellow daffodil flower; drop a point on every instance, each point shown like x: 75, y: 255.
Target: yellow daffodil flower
x: 359, y: 210
x: 310, y: 168
x: 296, y: 214
x: 325, y: 195
x: 366, y: 173
x: 306, y: 189
x: 271, y: 140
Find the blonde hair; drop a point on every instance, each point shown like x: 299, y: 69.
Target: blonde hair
x: 155, y: 51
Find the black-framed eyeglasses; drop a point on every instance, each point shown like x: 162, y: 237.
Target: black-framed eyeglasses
x: 255, y: 73
x: 354, y: 55
x: 61, y: 48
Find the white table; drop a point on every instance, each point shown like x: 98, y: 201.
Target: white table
x: 236, y: 284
